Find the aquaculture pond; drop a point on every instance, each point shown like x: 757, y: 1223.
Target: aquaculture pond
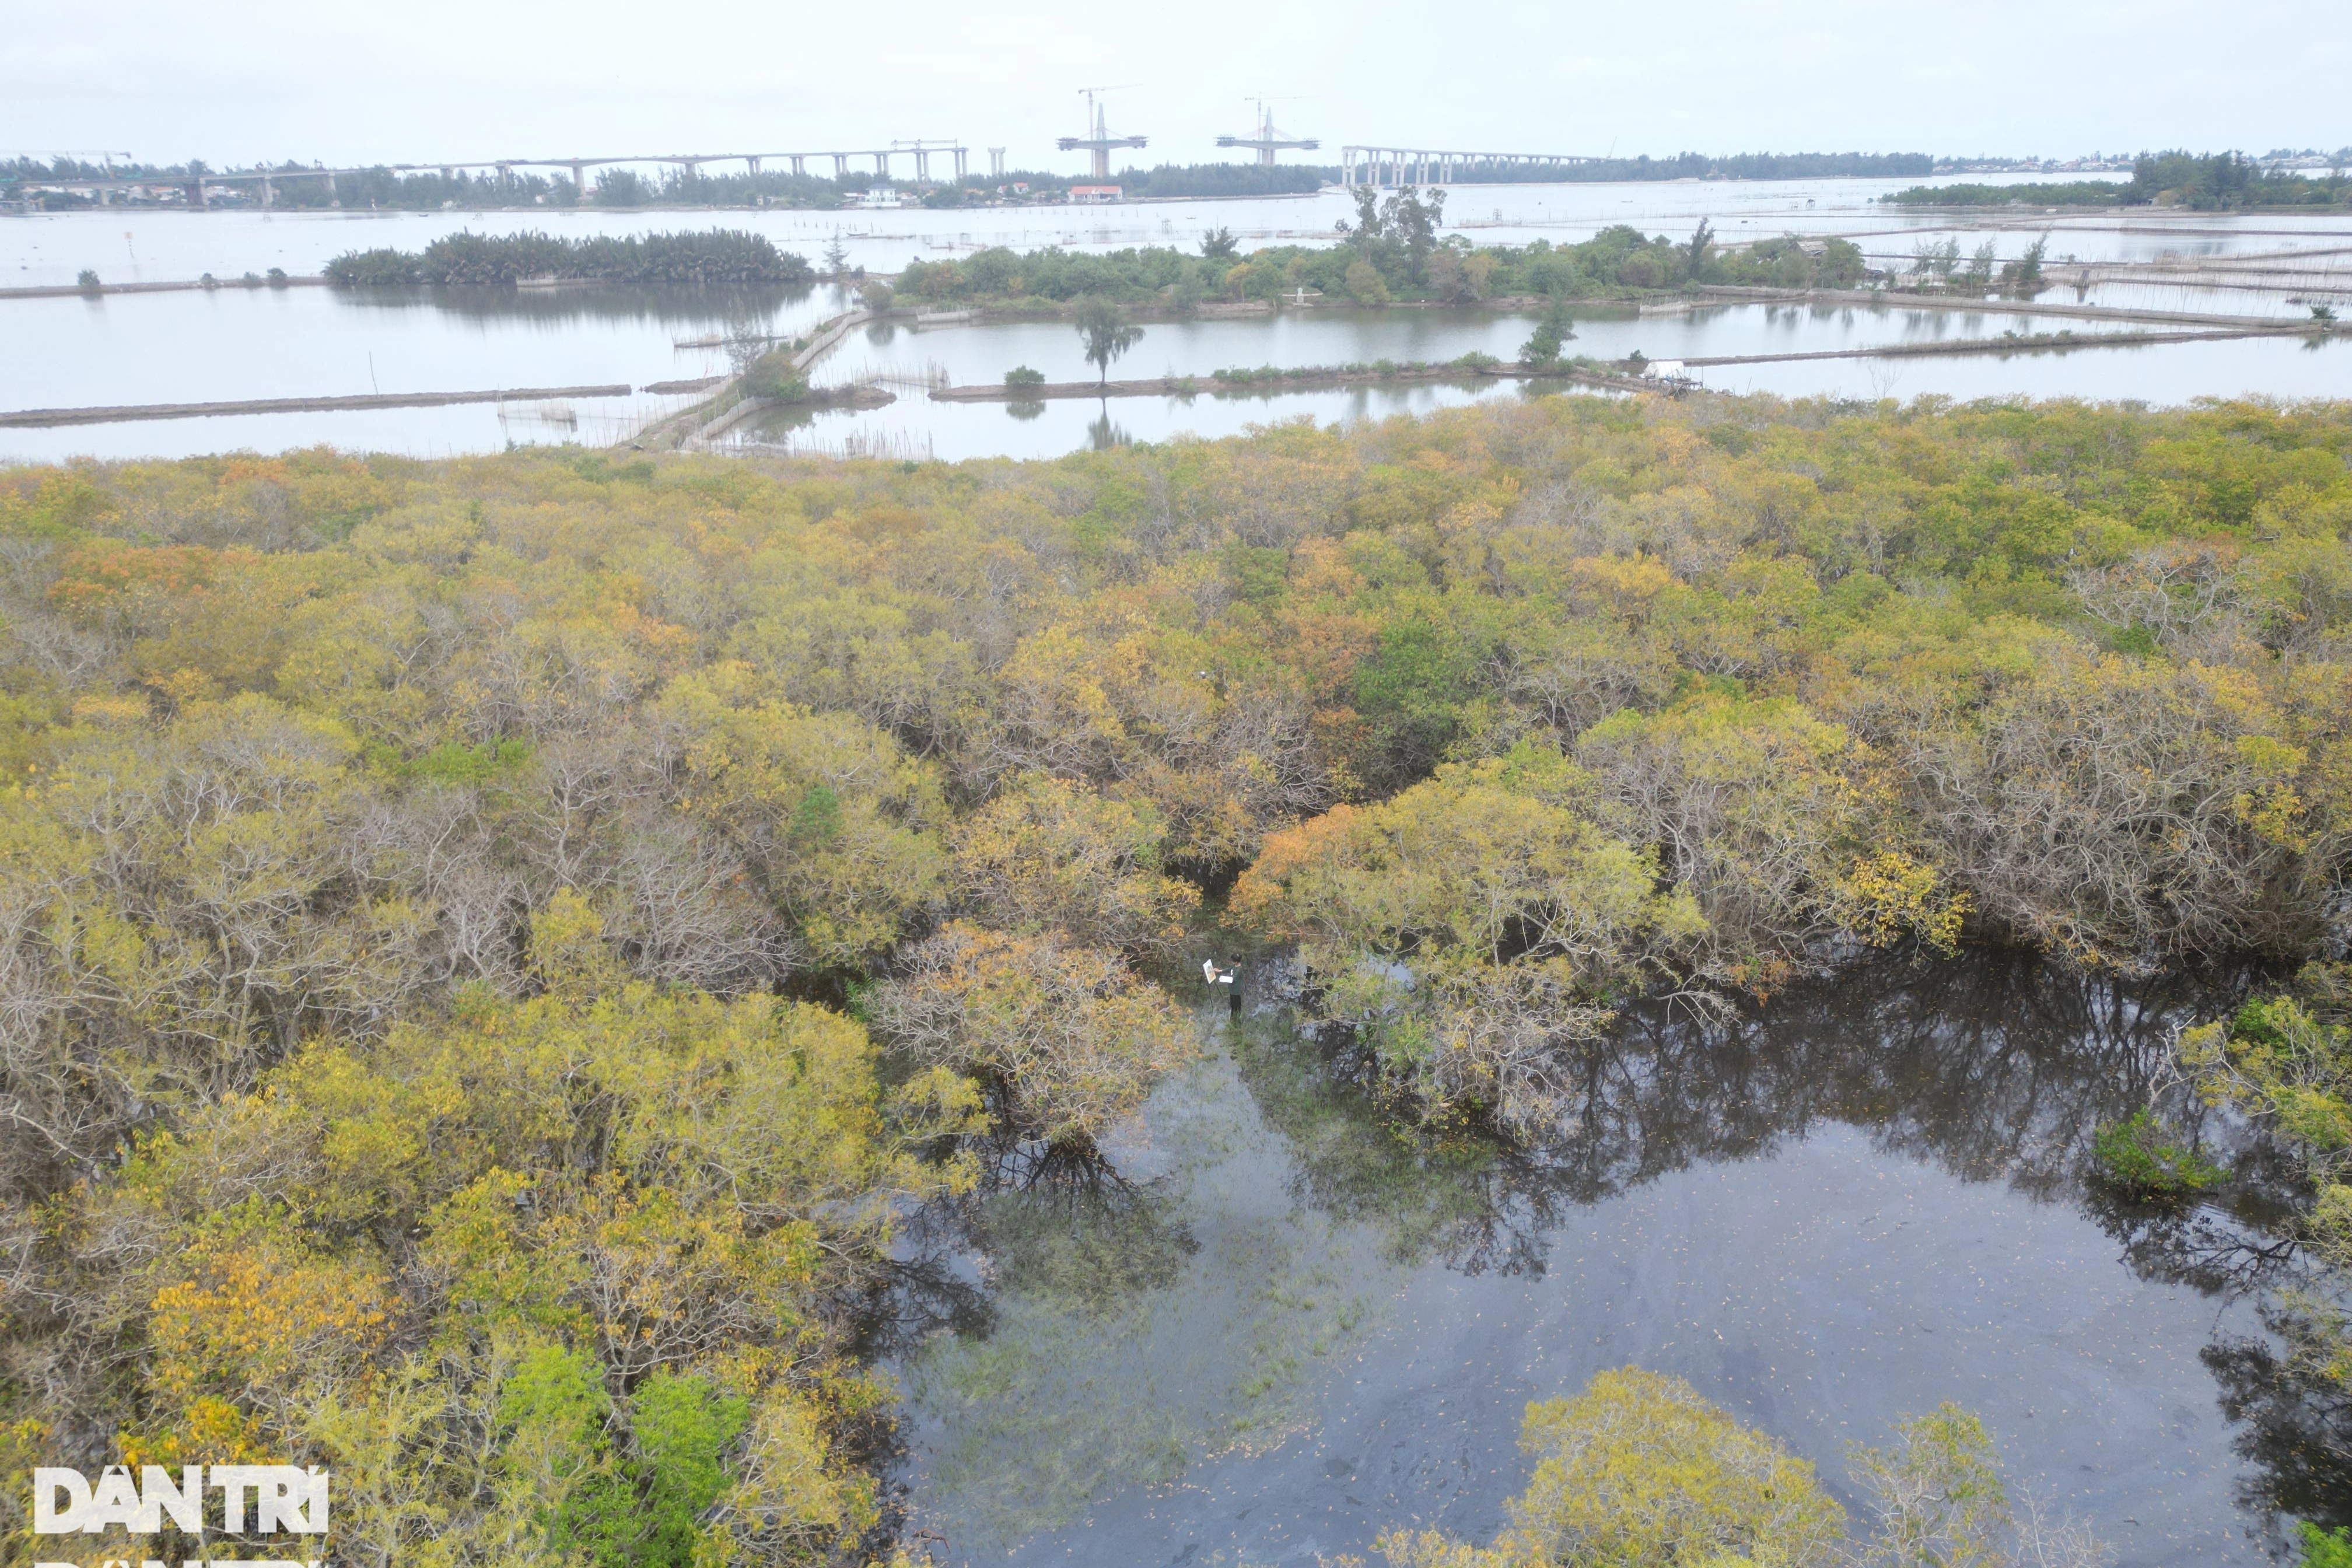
x: 236, y: 344
x: 916, y: 425
x: 1272, y: 1326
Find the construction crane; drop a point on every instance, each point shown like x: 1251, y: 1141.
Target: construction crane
x: 1267, y: 140
x: 1100, y: 142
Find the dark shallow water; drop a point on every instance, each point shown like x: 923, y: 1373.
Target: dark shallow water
x: 1296, y: 1329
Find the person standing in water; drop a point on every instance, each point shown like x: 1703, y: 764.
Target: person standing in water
x: 1215, y: 976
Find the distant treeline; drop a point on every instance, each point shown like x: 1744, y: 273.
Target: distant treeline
x: 619, y: 187
x: 715, y: 256
x: 15, y: 169
x: 1394, y: 256
x: 2206, y: 181
x: 611, y: 188
x: 1704, y: 166
x: 2056, y: 193
x: 1224, y: 179
x: 304, y: 187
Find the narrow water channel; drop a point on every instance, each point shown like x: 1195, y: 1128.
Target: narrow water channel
x: 1281, y: 1328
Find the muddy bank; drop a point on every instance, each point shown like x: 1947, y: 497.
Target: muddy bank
x: 67, y: 290
x: 1305, y: 381
x: 41, y: 416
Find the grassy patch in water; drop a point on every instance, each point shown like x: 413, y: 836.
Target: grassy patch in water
x: 2134, y: 1156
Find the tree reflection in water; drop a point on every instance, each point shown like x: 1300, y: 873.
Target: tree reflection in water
x: 1103, y: 433
x: 1991, y: 1067
x: 2290, y: 1396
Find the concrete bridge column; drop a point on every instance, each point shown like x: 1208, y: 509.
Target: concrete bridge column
x: 269, y: 196
x: 960, y: 155
x: 996, y: 163
x: 580, y: 179
x: 922, y: 165
x: 754, y: 164
x: 840, y: 163
x: 799, y: 164
x: 882, y: 164
x: 196, y: 194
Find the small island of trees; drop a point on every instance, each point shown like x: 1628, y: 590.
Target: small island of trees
x: 711, y: 256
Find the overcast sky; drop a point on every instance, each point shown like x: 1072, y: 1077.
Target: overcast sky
x: 484, y: 79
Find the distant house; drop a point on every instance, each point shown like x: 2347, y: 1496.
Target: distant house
x: 1095, y: 193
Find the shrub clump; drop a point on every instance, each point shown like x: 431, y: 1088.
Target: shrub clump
x: 2134, y: 1156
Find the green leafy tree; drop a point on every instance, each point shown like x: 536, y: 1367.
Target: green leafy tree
x: 1365, y: 285
x: 1700, y: 248
x: 1107, y: 334
x: 2323, y: 1548
x: 1554, y: 330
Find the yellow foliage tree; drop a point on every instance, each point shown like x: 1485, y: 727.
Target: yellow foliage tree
x: 1046, y: 855
x: 1072, y: 1037
x: 389, y: 1257
x: 1638, y: 1471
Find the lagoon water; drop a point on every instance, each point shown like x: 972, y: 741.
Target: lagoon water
x: 236, y: 342
x: 1292, y: 1329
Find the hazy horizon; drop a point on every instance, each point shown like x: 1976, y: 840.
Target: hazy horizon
x: 435, y: 81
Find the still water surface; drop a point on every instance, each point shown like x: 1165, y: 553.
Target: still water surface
x: 1294, y: 1331
x: 237, y: 343
x: 970, y: 355
x: 158, y: 348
